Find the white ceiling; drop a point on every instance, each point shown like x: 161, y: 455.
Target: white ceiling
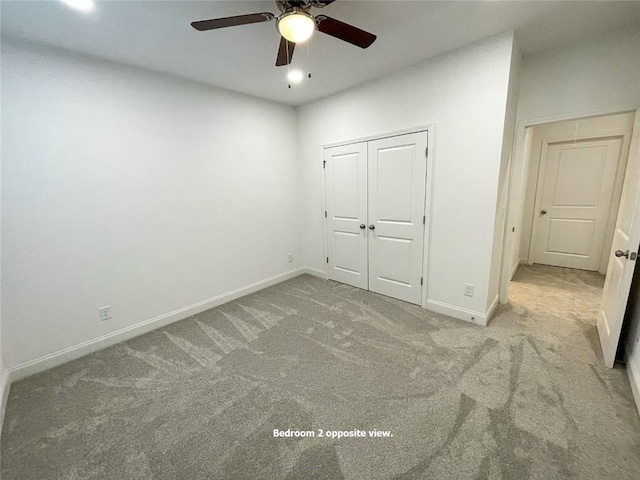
x: 157, y: 35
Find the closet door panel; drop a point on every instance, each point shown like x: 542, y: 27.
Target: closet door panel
x: 346, y: 201
x: 396, y: 199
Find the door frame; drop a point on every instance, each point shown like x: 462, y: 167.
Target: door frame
x: 431, y: 144
x: 518, y: 158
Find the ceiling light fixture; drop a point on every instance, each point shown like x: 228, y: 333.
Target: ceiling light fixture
x: 295, y: 76
x: 83, y: 5
x: 296, y: 25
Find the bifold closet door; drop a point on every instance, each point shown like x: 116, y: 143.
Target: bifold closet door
x: 346, y: 197
x: 397, y: 168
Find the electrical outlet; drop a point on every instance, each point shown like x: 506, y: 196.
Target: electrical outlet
x: 468, y: 290
x: 105, y: 312
x: 290, y: 257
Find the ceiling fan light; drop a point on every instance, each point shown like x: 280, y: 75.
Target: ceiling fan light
x: 83, y: 5
x: 296, y: 26
x: 295, y: 76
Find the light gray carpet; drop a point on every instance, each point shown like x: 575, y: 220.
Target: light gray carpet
x: 525, y: 398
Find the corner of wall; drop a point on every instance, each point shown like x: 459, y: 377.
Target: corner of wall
x: 4, y: 378
x: 502, y: 243
x: 632, y: 343
x: 633, y: 373
x: 5, y: 385
x: 466, y: 315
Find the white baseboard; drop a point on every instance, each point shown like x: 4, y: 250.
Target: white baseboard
x: 514, y: 270
x: 316, y: 272
x: 77, y: 351
x: 634, y: 380
x: 476, y: 318
x: 492, y: 308
x: 5, y: 384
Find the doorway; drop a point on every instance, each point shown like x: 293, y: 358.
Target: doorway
x: 375, y: 214
x: 580, y: 203
x: 572, y: 197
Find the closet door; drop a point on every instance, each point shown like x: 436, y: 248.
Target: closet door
x: 397, y: 173
x: 346, y: 197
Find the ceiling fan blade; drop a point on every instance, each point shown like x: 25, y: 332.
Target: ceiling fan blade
x: 285, y: 52
x: 344, y: 31
x: 214, y: 23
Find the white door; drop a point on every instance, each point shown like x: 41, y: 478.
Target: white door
x: 577, y: 181
x: 397, y: 174
x: 623, y: 255
x: 346, y: 198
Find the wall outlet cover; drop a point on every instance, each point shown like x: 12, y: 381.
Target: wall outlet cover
x: 105, y: 312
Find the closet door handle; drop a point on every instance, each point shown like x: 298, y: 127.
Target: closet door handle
x: 372, y: 227
x: 363, y: 226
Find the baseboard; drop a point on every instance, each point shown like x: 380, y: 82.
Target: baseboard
x: 316, y: 272
x: 634, y: 381
x: 476, y: 318
x: 492, y: 308
x: 5, y: 384
x: 77, y: 351
x: 514, y: 270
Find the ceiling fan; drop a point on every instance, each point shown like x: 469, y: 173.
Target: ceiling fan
x: 295, y: 25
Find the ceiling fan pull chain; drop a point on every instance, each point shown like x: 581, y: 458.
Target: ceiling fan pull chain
x: 309, y: 58
x: 288, y: 64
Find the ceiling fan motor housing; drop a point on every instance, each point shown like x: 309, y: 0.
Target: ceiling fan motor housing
x: 285, y: 5
x: 296, y: 25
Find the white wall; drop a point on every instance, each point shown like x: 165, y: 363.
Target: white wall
x: 595, y: 76
x: 463, y: 95
x: 632, y: 346
x: 132, y: 189
x: 591, y: 76
x: 518, y: 196
x: 4, y: 384
x: 500, y: 238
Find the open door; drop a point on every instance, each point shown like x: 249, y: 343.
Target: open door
x: 624, y: 252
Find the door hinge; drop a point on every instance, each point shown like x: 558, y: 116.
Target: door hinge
x: 421, y: 280
x: 426, y: 152
x: 327, y: 259
x: 325, y: 214
x: 424, y: 219
x: 324, y: 164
